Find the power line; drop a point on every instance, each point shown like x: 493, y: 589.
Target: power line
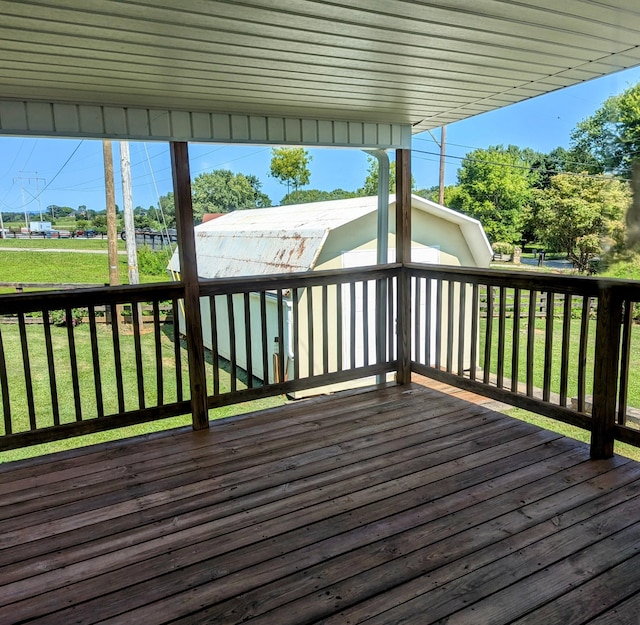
x: 35, y: 197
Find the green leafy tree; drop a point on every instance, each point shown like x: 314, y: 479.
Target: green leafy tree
x: 168, y: 209
x: 306, y: 196
x: 610, y: 137
x: 495, y: 187
x: 222, y: 191
x: 582, y: 216
x: 370, y: 186
x: 99, y: 223
x: 290, y: 167
x: 452, y: 197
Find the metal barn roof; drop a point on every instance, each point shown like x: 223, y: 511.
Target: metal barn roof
x: 284, y: 239
x: 294, y: 71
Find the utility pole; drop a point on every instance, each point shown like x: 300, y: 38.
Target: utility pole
x: 112, y: 229
x: 129, y: 226
x: 443, y: 139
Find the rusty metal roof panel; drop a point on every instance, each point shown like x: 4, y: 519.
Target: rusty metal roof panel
x: 280, y: 239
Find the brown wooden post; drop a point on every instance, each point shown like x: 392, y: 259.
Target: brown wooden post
x: 403, y: 256
x: 189, y: 277
x: 605, y: 374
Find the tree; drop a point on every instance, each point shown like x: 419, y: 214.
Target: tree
x: 495, y: 188
x: 370, y: 186
x: 222, y: 191
x: 610, y: 137
x: 168, y: 209
x: 582, y: 216
x: 290, y: 167
x: 306, y: 196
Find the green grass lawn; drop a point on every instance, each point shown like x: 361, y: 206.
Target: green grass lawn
x: 63, y: 267
x: 633, y: 397
x: 568, y: 430
x: 79, y: 243
x: 42, y: 393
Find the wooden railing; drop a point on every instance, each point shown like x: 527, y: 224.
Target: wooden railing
x: 61, y: 378
x: 306, y: 331
x: 555, y: 345
x: 64, y: 373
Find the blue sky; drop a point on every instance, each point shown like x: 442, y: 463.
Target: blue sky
x: 72, y: 170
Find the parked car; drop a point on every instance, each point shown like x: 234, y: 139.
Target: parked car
x: 88, y: 234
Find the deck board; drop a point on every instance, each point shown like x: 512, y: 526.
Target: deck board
x: 396, y: 505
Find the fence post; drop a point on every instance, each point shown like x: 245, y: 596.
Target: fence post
x: 189, y: 277
x: 605, y: 374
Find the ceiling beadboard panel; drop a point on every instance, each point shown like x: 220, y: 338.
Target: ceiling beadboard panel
x: 334, y: 70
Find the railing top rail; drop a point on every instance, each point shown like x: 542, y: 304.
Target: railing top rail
x: 221, y: 286
x: 52, y: 300
x: 579, y: 285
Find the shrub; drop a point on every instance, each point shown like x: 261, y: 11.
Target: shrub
x: 152, y: 263
x: 502, y: 247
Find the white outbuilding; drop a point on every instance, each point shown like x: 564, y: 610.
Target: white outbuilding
x: 320, y: 236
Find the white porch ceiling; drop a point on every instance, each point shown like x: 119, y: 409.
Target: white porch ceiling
x: 417, y: 63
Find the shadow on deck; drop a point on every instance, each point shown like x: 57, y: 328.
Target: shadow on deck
x: 395, y: 505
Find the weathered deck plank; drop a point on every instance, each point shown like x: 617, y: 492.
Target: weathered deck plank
x: 399, y: 505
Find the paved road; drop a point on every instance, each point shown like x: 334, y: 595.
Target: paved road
x: 555, y: 264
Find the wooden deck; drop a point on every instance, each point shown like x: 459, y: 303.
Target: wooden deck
x: 397, y: 505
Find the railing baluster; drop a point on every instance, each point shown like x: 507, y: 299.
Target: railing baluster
x: 515, y: 341
x: 488, y: 337
x: 158, y: 352
x: 215, y: 356
x: 53, y: 386
x: 352, y: 324
x: 416, y: 285
x: 339, y: 326
x: 475, y: 337
x: 75, y: 380
x: 295, y: 297
x: 26, y: 365
x: 4, y: 386
x: 438, y: 323
x: 548, y: 346
x: 247, y: 340
x: 282, y: 346
x: 325, y: 329
x: 310, y: 334
x: 265, y: 335
x: 582, y: 353
x: 177, y: 354
x: 380, y: 321
x: 391, y: 317
x: 233, y: 372
x: 450, y: 306
x: 531, y: 335
x: 427, y: 322
x: 566, y: 333
x: 625, y: 354
x: 97, y: 377
x: 462, y: 315
x: 365, y: 322
x: 135, y: 313
x: 117, y: 356
x: 502, y: 318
